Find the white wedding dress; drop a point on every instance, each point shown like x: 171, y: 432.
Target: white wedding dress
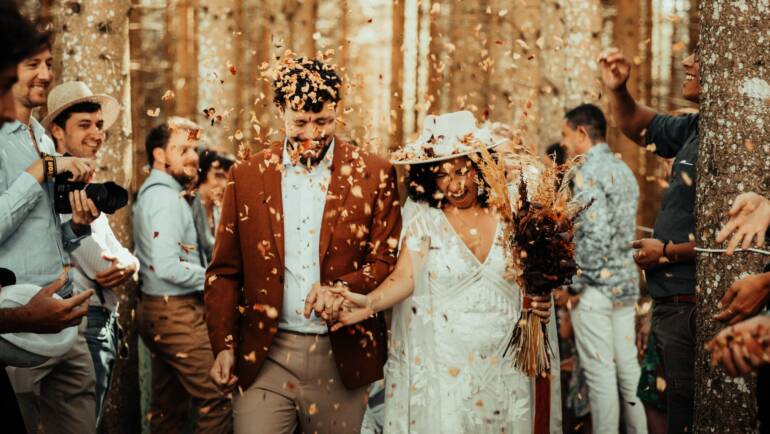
x: 446, y: 372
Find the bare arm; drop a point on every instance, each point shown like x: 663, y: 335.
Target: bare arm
x: 394, y: 289
x: 631, y: 117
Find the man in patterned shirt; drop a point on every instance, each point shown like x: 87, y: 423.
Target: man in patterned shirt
x: 606, y: 289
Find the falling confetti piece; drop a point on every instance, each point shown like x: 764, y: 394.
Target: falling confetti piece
x: 154, y: 113
x: 312, y: 410
x: 454, y: 372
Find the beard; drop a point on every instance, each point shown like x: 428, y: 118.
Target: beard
x: 309, y: 152
x: 184, y: 175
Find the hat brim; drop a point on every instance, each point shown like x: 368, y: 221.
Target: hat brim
x: 110, y: 110
x: 439, y: 158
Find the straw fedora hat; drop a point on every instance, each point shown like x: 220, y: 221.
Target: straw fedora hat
x: 70, y: 93
x: 444, y: 137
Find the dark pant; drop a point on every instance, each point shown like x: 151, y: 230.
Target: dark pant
x: 174, y: 330
x: 10, y: 415
x: 102, y: 338
x: 673, y: 325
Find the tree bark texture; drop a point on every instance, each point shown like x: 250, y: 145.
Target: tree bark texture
x: 733, y: 158
x: 219, y: 53
x: 92, y: 46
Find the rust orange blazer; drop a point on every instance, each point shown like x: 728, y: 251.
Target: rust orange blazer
x: 358, y: 241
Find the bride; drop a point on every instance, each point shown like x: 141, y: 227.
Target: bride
x: 453, y: 311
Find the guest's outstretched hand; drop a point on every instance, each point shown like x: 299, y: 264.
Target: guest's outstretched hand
x: 745, y: 298
x: 749, y: 220
x: 742, y: 348
x: 615, y: 68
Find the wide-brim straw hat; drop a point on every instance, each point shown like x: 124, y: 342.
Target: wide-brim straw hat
x: 444, y: 137
x: 70, y: 93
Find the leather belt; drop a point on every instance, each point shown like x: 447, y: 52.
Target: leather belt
x: 685, y: 298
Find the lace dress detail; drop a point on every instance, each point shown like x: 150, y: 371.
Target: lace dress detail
x: 446, y: 372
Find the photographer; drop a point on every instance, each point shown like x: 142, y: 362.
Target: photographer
x: 35, y: 245
x: 78, y: 120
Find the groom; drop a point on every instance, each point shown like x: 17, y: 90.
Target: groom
x: 312, y: 209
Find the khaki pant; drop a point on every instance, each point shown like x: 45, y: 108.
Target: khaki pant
x: 58, y: 395
x: 174, y: 330
x: 298, y: 384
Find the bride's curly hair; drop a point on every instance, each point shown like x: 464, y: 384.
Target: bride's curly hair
x: 422, y: 187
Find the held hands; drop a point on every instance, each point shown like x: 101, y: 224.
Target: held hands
x: 326, y: 304
x: 649, y: 253
x: 744, y: 298
x: 337, y: 305
x: 615, y: 68
x: 742, y: 348
x: 749, y: 220
x: 222, y: 370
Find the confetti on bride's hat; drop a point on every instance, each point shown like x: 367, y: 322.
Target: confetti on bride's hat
x: 444, y: 137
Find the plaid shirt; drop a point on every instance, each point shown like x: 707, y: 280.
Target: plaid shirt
x: 605, y: 231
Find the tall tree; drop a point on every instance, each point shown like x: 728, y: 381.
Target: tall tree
x: 734, y: 134
x: 92, y: 45
x: 397, y: 77
x: 582, y: 27
x: 219, y: 53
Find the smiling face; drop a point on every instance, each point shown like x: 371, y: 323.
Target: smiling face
x: 35, y: 76
x: 457, y: 180
x: 179, y: 158
x: 82, y: 136
x: 309, y: 133
x: 691, y: 87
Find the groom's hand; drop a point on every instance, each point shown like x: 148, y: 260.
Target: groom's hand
x: 222, y: 370
x: 324, y: 302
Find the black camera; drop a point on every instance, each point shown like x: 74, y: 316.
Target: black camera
x: 107, y: 196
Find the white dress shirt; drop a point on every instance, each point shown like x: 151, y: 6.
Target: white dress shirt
x: 304, y: 198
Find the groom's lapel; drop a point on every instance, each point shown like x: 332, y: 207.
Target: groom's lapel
x: 339, y: 188
x: 274, y: 202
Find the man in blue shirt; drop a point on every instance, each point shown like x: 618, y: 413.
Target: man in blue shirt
x: 35, y: 245
x: 170, y: 314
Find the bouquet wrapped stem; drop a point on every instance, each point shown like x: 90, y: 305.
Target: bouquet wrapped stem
x: 530, y: 344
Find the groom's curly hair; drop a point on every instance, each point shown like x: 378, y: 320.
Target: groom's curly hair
x: 422, y: 187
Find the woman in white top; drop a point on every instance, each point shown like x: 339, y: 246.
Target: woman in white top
x: 454, y: 312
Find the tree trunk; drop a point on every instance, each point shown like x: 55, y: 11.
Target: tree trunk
x: 92, y: 45
x: 582, y: 22
x: 397, y: 77
x: 733, y: 158
x: 218, y: 65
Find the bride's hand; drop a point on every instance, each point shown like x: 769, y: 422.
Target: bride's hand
x: 351, y: 313
x: 541, y: 306
x: 352, y: 299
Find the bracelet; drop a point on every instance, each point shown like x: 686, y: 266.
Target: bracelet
x: 49, y: 166
x: 665, y: 244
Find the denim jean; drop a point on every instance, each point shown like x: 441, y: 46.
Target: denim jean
x: 102, y: 337
x: 673, y: 325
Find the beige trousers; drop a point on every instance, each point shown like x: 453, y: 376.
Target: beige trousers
x: 298, y: 384
x: 59, y: 395
x: 174, y: 330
